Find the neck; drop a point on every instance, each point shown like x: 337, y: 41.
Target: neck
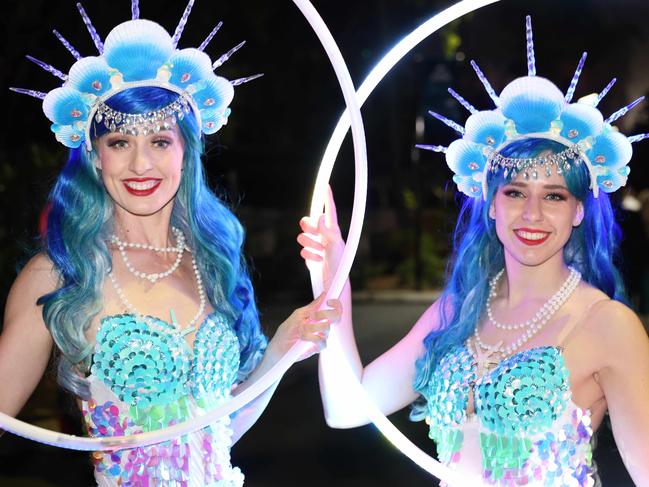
x: 152, y: 229
x: 522, y: 282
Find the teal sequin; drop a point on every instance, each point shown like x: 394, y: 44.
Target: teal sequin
x: 530, y: 431
x: 216, y: 359
x: 148, y: 367
x: 448, y: 398
x: 142, y: 366
x: 161, y: 381
x: 524, y: 393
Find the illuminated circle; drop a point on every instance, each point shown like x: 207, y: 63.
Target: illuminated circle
x: 113, y: 443
x: 333, y: 352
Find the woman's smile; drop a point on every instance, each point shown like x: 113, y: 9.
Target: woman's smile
x: 531, y: 236
x: 142, y: 186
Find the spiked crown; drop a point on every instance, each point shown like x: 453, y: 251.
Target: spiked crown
x: 136, y: 53
x: 533, y: 107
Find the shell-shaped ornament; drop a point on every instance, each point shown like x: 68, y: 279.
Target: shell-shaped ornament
x: 90, y: 75
x: 189, y: 66
x: 65, y: 106
x: 611, y: 149
x: 532, y: 103
x: 579, y: 121
x: 468, y: 185
x: 611, y: 179
x: 465, y: 158
x: 212, y: 93
x: 137, y: 49
x: 68, y: 135
x: 487, y: 127
x: 213, y: 120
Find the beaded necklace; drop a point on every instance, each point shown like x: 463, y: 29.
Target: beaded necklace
x: 180, y: 248
x: 483, y: 351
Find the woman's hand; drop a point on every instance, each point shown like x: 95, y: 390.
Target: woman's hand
x: 322, y: 241
x: 309, y: 323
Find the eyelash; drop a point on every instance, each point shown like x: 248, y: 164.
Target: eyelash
x: 122, y: 143
x: 164, y: 142
x: 512, y: 193
x: 117, y: 143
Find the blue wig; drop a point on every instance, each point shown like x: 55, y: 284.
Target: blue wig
x: 478, y: 256
x: 80, y: 221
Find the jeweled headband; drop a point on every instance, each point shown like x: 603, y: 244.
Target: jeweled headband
x: 533, y: 107
x: 136, y: 53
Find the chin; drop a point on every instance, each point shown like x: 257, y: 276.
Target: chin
x: 145, y: 208
x: 533, y: 257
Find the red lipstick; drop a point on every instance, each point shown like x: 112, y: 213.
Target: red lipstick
x: 141, y: 186
x: 522, y: 234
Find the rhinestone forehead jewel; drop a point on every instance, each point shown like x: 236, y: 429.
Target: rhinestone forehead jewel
x: 533, y: 107
x: 136, y: 53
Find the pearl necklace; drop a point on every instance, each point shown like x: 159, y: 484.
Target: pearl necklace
x: 535, y: 324
x: 140, y: 316
x: 547, y: 306
x: 154, y: 277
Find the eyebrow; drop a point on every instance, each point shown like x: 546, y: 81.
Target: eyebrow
x: 520, y: 184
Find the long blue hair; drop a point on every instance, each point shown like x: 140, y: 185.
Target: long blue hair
x: 478, y: 256
x: 80, y: 221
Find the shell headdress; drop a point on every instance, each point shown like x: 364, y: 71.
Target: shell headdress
x: 136, y: 53
x: 532, y: 106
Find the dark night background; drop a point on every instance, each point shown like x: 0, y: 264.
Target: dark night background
x: 266, y: 158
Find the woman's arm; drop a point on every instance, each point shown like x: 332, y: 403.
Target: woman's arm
x: 624, y: 378
x: 305, y: 323
x: 25, y: 343
x: 388, y: 380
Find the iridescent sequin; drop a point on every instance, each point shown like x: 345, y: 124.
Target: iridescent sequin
x: 142, y: 366
x: 156, y: 380
x: 447, y: 401
x: 530, y: 430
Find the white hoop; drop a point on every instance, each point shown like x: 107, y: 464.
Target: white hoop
x: 73, y: 442
x: 333, y: 349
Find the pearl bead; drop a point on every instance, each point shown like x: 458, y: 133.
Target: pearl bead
x: 532, y: 326
x: 154, y: 277
x: 201, y: 293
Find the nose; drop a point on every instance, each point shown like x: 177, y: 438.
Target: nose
x: 532, y: 210
x: 141, y: 161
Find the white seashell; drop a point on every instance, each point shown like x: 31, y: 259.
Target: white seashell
x: 468, y: 185
x: 68, y: 135
x: 65, y: 106
x: 487, y: 127
x: 90, y: 75
x: 611, y: 149
x: 212, y: 93
x: 579, y: 121
x: 189, y: 66
x: 612, y: 179
x: 532, y: 103
x: 465, y: 158
x: 137, y: 48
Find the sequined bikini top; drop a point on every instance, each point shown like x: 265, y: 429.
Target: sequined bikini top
x: 530, y: 431
x: 145, y: 376
x: 148, y: 364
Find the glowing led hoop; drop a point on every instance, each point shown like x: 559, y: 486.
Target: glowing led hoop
x: 62, y: 440
x: 333, y: 352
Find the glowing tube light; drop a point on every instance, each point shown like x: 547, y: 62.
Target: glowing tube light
x: 333, y: 353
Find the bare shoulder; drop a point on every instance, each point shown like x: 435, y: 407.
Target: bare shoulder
x: 616, y: 330
x: 40, y: 268
x: 38, y: 277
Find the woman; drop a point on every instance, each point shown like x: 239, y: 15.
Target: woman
x: 529, y: 346
x: 141, y: 284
